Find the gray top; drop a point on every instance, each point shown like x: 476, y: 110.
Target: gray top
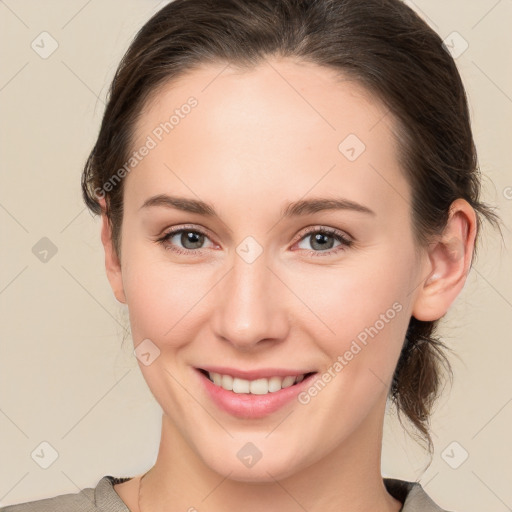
x: 104, y: 498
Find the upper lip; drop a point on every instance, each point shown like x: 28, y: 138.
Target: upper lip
x: 262, y: 373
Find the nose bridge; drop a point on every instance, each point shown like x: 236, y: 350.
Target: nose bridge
x: 248, y: 304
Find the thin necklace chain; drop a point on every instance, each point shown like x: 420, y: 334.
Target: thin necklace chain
x: 140, y: 485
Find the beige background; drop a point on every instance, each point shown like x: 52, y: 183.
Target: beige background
x: 65, y: 377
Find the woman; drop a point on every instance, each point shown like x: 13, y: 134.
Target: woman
x: 290, y: 203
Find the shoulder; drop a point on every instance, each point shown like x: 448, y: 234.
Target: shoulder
x: 412, y: 495
x: 101, y: 498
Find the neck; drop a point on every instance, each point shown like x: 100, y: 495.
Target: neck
x: 347, y: 479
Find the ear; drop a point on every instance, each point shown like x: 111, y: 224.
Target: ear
x: 450, y: 259
x: 112, y: 262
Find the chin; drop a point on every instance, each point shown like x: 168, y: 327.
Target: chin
x: 268, y: 469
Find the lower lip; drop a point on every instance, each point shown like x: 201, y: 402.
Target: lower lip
x: 249, y: 406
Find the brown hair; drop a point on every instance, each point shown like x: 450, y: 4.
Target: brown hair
x: 387, y: 48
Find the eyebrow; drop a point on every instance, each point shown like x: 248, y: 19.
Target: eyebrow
x: 294, y: 209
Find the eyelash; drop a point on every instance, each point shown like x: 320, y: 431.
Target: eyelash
x: 337, y: 235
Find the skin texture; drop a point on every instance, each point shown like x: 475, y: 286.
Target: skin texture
x: 257, y: 140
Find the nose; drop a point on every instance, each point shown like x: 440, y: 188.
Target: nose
x: 251, y: 305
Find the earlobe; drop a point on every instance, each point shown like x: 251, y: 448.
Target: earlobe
x: 449, y: 261
x: 112, y: 262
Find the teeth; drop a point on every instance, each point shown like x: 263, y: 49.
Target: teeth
x: 241, y: 386
x: 226, y: 381
x: 255, y: 387
x: 287, y: 382
x: 274, y: 384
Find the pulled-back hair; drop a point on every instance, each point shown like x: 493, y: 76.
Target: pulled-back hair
x: 382, y: 44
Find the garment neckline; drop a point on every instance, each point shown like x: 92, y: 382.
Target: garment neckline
x: 399, y: 489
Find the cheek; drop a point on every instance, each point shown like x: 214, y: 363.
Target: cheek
x: 162, y: 297
x: 359, y: 324
x: 360, y: 311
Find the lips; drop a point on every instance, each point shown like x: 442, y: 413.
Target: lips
x: 265, y: 392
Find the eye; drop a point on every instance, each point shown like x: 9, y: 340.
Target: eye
x: 322, y: 241
x: 191, y: 240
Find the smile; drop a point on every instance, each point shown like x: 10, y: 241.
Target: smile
x: 258, y: 395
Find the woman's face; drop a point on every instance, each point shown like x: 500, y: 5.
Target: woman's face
x: 303, y: 261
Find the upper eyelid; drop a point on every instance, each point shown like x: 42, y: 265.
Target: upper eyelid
x: 326, y: 229
x: 175, y: 230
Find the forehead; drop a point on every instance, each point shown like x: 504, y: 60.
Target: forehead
x: 282, y: 128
